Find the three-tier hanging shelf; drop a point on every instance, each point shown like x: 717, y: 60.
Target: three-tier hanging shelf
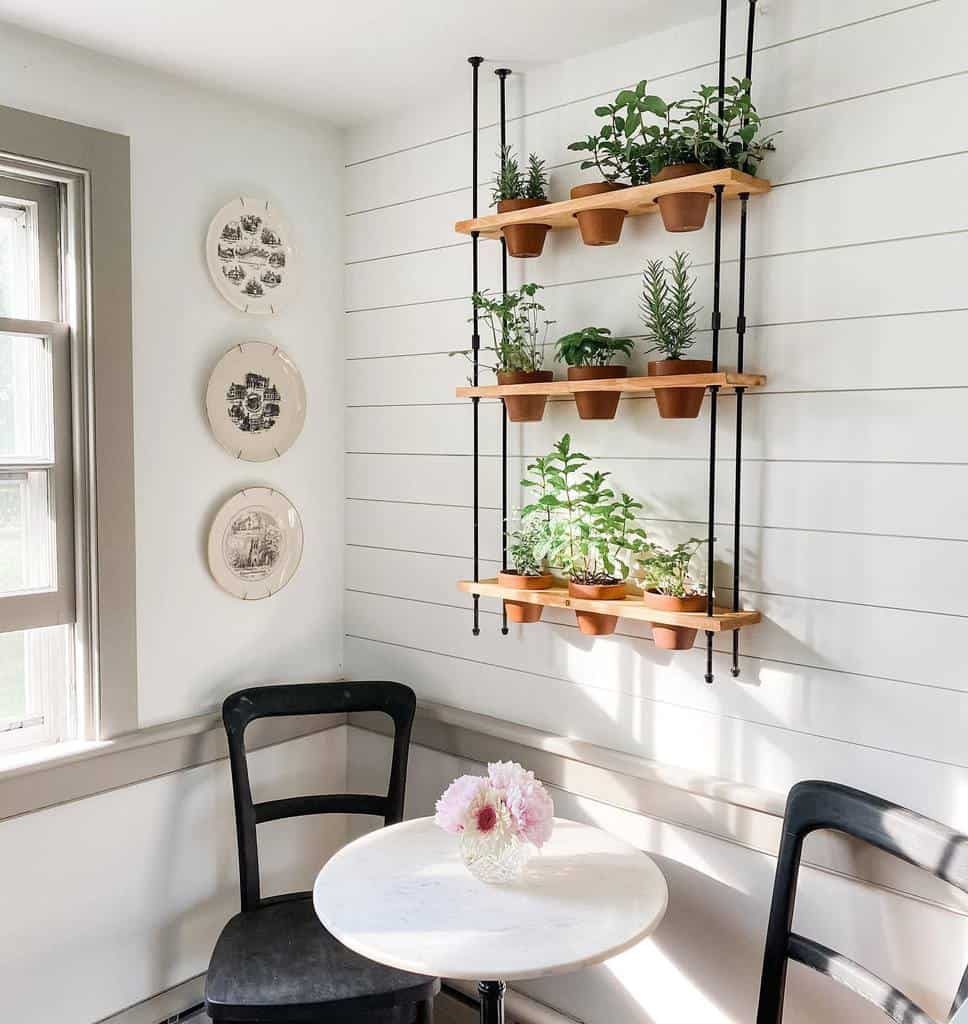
x: 722, y: 184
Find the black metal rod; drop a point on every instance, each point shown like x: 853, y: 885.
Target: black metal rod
x: 738, y: 480
x: 713, y: 409
x: 721, y: 103
x: 492, y: 1001
x: 740, y: 392
x: 502, y: 74
x: 475, y: 63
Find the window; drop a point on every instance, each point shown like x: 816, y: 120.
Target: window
x: 38, y: 586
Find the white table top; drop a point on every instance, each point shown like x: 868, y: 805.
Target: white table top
x: 402, y: 896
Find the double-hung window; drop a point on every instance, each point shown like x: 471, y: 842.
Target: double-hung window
x: 38, y: 657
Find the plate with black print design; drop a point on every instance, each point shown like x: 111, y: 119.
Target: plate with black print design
x: 250, y: 255
x: 255, y: 543
x: 256, y: 401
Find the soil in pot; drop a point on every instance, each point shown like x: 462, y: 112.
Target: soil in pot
x: 597, y: 405
x: 599, y: 227
x: 522, y: 611
x: 674, y: 638
x: 524, y: 241
x: 596, y: 623
x: 682, y: 211
x: 525, y: 408
x: 679, y: 403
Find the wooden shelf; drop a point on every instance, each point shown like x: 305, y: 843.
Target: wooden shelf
x: 635, y: 201
x: 727, y: 382
x: 631, y: 608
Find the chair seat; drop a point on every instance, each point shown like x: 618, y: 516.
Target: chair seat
x: 279, y: 963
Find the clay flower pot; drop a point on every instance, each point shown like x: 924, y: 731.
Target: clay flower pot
x: 674, y: 638
x: 682, y: 211
x: 522, y: 611
x: 679, y: 403
x: 525, y: 408
x: 599, y: 227
x: 524, y: 240
x: 596, y: 623
x: 597, y: 405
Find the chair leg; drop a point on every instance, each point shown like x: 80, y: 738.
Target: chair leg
x: 425, y: 1012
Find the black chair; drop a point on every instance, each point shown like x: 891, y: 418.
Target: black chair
x: 274, y: 962
x: 918, y: 840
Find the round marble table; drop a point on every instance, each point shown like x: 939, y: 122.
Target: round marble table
x: 401, y: 896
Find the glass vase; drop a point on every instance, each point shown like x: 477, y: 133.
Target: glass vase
x: 496, y: 860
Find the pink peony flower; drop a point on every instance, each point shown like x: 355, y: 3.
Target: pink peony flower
x: 455, y: 802
x: 487, y: 814
x: 507, y: 773
x: 531, y: 809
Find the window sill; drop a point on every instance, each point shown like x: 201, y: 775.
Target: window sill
x: 33, y: 779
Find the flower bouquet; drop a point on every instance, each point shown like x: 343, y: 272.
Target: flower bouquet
x: 499, y: 818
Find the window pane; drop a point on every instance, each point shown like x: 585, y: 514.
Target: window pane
x: 25, y: 532
x: 13, y: 676
x: 16, y: 261
x: 26, y: 403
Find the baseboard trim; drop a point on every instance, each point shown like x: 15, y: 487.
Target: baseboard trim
x: 724, y: 809
x: 165, y: 1007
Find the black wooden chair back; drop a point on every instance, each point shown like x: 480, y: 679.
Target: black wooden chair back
x: 918, y: 840
x: 238, y: 710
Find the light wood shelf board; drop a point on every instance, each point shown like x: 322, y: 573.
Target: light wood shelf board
x: 635, y: 201
x: 727, y: 382
x: 723, y: 619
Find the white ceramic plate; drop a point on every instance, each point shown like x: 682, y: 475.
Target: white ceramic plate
x: 255, y: 543
x: 250, y: 255
x: 256, y: 401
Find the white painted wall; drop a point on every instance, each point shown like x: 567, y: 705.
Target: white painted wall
x: 191, y: 151
x: 856, y: 467
x: 109, y: 900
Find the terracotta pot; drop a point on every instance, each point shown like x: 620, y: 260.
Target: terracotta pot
x: 599, y: 227
x: 679, y: 403
x: 683, y: 211
x: 597, y: 623
x: 522, y: 611
x: 674, y: 638
x: 525, y: 408
x: 524, y: 240
x: 597, y: 405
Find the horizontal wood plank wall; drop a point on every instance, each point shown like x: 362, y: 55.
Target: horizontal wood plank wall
x: 855, y: 541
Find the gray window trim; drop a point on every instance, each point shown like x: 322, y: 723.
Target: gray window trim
x: 93, y: 169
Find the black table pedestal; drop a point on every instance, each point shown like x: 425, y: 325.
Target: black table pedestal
x: 492, y: 1001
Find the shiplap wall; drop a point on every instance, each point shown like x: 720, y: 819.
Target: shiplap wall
x: 856, y: 453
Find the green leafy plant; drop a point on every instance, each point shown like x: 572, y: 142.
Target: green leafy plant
x: 592, y: 346
x: 510, y: 183
x: 666, y: 570
x: 689, y: 132
x: 527, y: 546
x: 667, y: 308
x: 620, y: 149
x: 518, y: 333
x: 590, y: 532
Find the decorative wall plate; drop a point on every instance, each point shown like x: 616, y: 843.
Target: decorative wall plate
x: 255, y: 543
x: 256, y: 401
x: 250, y: 255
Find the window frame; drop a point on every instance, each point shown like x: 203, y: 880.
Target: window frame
x: 91, y: 169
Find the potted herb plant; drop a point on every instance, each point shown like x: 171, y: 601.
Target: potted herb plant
x: 592, y: 533
x: 589, y: 354
x: 512, y: 190
x: 669, y: 313
x: 518, y: 338
x: 619, y: 152
x: 670, y: 588
x: 688, y: 142
x: 527, y: 573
